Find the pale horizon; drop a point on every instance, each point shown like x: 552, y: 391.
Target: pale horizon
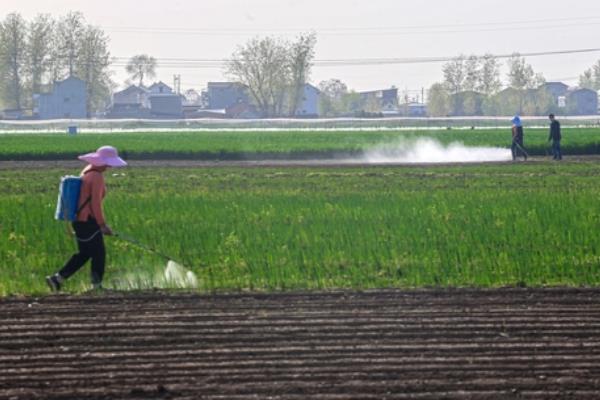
x: 349, y: 30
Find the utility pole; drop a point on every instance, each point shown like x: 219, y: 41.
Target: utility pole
x: 177, y: 83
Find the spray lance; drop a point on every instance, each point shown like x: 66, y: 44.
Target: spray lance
x: 174, y: 271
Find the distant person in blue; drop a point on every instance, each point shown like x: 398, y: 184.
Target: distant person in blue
x: 555, y: 137
x: 517, y: 139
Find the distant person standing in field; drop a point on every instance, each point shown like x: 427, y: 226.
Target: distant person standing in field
x: 90, y: 225
x: 517, y: 139
x: 555, y: 136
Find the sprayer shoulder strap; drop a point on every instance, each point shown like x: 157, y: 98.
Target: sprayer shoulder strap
x: 85, y: 203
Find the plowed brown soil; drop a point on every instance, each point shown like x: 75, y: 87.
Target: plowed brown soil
x: 390, y: 344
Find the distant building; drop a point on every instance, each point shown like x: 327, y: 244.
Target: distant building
x: 192, y: 98
x: 415, y: 109
x: 12, y: 113
x: 582, y: 102
x: 308, y: 106
x: 242, y: 111
x: 557, y: 92
x: 221, y: 95
x: 156, y: 101
x: 160, y: 88
x: 386, y: 100
x: 132, y: 102
x: 192, y: 103
x: 556, y: 89
x: 572, y: 101
x: 68, y: 99
x: 166, y: 106
x: 132, y: 95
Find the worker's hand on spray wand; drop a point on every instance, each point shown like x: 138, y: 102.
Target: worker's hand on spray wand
x: 105, y: 229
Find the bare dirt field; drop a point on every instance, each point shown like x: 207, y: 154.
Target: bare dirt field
x: 385, y: 344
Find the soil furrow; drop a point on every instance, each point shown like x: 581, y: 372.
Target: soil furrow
x: 392, y: 344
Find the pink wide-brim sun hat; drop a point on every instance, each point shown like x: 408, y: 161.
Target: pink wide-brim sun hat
x: 104, y: 156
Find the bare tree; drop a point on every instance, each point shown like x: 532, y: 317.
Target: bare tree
x: 262, y: 64
x: 13, y: 52
x: 438, y: 101
x: 590, y: 78
x: 454, y: 74
x: 472, y: 68
x: 70, y: 30
x: 586, y: 80
x: 301, y: 54
x: 489, y: 83
x: 454, y: 80
x: 521, y: 77
x: 331, y: 101
x: 39, y: 51
x: 94, y: 60
x: 140, y: 67
x: 333, y: 88
x: 596, y: 69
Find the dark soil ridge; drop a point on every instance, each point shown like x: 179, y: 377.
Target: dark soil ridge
x: 197, y: 155
x: 227, y: 155
x: 381, y: 344
x: 280, y: 163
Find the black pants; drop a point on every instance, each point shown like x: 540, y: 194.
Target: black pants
x: 556, y: 153
x: 517, y: 148
x: 90, y: 242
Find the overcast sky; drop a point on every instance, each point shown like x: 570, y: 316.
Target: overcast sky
x: 346, y: 29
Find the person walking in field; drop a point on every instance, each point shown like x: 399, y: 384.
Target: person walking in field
x: 555, y: 137
x: 90, y: 225
x: 517, y: 139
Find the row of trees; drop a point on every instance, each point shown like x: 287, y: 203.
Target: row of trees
x: 590, y: 79
x: 34, y: 54
x: 472, y: 86
x: 275, y: 71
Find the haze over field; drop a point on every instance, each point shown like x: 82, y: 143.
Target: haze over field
x: 346, y: 30
x: 430, y: 151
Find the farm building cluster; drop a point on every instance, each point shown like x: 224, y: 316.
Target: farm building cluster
x: 68, y: 98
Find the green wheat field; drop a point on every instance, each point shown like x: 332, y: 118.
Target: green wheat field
x: 214, y: 145
x: 316, y: 228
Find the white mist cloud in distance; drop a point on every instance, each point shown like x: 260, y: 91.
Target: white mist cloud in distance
x: 427, y: 150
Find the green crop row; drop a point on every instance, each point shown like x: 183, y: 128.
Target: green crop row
x: 243, y: 145
x: 296, y: 228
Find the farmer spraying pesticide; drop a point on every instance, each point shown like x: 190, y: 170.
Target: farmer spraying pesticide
x: 86, y: 215
x: 517, y: 139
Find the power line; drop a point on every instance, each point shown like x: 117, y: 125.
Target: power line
x: 364, y: 34
x: 521, y: 24
x: 220, y: 63
x: 200, y: 62
x: 211, y: 63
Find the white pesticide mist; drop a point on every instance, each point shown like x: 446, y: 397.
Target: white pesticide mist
x: 171, y: 276
x: 428, y: 150
x: 180, y: 277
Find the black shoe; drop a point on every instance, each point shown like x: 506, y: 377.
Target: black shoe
x: 53, y: 283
